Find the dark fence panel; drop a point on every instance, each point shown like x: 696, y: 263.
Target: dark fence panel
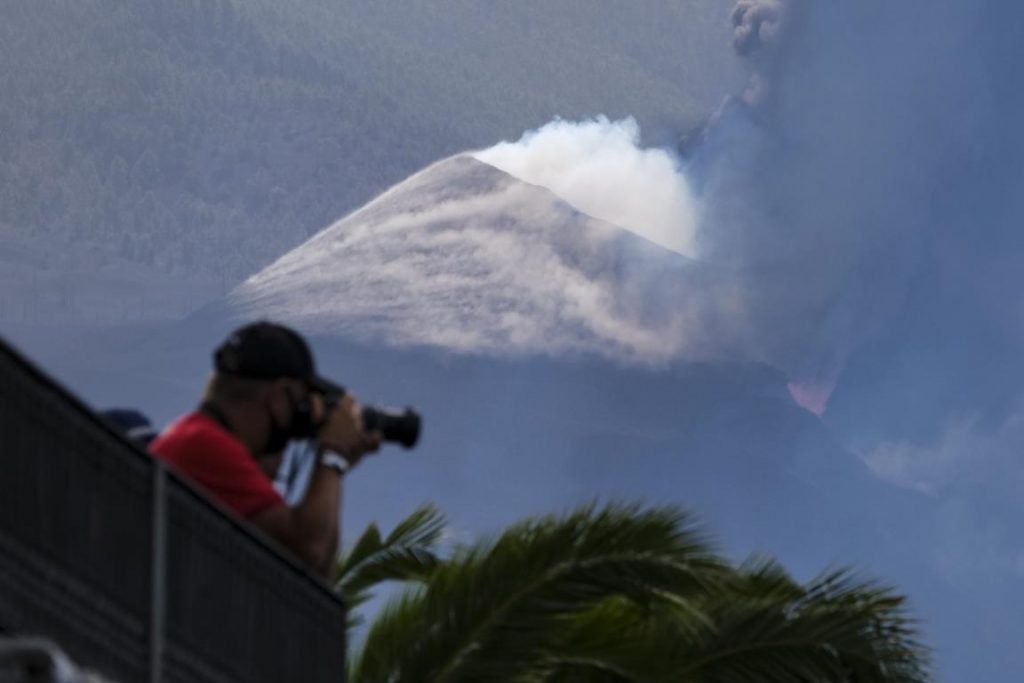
x: 78, y: 562
x: 74, y: 527
x: 224, y: 606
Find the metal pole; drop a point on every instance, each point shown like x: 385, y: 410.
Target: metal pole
x: 158, y: 574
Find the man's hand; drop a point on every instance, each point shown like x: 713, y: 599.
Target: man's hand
x: 343, y: 431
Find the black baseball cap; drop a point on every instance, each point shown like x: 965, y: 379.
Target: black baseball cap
x: 268, y: 351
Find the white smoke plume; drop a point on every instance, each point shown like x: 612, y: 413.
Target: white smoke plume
x: 599, y: 167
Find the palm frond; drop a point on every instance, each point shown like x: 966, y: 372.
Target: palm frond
x: 488, y: 611
x: 368, y: 544
x: 407, y: 554
x: 424, y: 527
x: 838, y: 628
x: 626, y: 594
x: 762, y: 627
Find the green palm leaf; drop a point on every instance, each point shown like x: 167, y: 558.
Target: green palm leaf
x: 761, y: 627
x: 487, y: 612
x: 625, y: 594
x: 407, y: 554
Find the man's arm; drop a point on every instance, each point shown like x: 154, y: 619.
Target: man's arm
x: 310, y: 529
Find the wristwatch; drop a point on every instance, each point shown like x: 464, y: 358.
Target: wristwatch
x: 335, y: 461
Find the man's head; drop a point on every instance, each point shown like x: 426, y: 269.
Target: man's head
x: 265, y: 372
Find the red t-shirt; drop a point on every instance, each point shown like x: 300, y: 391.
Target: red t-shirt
x: 218, y: 461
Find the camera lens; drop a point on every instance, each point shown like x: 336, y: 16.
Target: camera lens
x: 398, y: 427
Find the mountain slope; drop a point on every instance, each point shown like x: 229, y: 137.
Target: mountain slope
x: 464, y: 257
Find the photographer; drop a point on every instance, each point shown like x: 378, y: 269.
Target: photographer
x: 263, y: 393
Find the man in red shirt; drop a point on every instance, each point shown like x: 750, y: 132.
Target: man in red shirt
x: 264, y: 392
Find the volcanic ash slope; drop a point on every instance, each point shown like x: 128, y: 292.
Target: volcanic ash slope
x: 464, y: 257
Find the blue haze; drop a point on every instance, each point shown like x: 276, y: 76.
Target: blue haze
x: 871, y: 207
x: 870, y: 199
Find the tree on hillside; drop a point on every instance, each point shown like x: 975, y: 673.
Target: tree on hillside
x: 619, y: 593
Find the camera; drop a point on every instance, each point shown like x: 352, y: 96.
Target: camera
x: 394, y: 426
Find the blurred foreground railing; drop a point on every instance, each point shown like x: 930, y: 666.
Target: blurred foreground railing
x: 132, y: 571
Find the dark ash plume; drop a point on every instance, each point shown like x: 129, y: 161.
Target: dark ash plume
x: 865, y: 192
x: 873, y: 142
x: 757, y: 25
x: 759, y: 35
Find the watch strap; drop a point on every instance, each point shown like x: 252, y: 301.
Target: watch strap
x: 335, y: 461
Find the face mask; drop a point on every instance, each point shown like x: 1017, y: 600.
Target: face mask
x: 302, y: 426
x: 277, y: 439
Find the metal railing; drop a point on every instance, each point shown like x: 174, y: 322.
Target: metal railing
x: 133, y: 571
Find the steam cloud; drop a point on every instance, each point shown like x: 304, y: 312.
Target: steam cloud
x: 599, y: 167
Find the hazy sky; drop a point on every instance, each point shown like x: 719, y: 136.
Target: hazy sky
x: 858, y: 207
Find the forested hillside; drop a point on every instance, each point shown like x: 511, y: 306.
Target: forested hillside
x: 496, y: 68
x: 203, y: 138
